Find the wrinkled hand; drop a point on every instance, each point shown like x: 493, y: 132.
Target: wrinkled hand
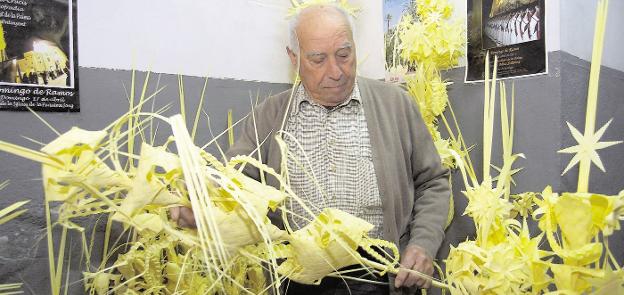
x: 416, y: 258
x: 183, y: 216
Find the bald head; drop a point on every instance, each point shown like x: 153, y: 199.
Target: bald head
x: 316, y: 14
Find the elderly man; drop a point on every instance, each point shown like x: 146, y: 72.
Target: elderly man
x: 358, y: 145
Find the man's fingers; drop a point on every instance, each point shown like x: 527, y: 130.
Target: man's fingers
x: 424, y: 266
x: 400, y: 278
x: 411, y: 259
x: 404, y: 278
x: 411, y: 280
x: 408, y: 261
x: 418, y: 282
x: 175, y: 213
x: 188, y: 217
x: 414, y: 258
x: 182, y: 223
x: 183, y: 216
x: 427, y: 284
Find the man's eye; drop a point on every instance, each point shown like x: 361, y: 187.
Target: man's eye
x: 318, y: 60
x: 343, y: 54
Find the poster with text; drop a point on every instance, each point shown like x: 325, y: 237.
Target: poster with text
x: 38, y: 56
x: 513, y: 30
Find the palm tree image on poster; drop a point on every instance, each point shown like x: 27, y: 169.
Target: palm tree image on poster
x: 393, y: 11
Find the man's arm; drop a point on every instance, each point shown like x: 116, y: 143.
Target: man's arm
x: 431, y: 204
x: 431, y: 188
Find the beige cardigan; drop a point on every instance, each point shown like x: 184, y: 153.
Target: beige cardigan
x: 413, y: 186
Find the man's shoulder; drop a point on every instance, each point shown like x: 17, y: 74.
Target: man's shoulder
x: 280, y: 97
x: 275, y: 103
x: 380, y: 90
x: 375, y: 84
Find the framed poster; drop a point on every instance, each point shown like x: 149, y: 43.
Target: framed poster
x: 513, y: 30
x: 38, y: 56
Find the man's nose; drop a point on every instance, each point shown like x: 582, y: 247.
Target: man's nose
x: 334, y: 71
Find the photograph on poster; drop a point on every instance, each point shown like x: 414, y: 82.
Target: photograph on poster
x: 392, y: 12
x: 513, y: 30
x: 36, y: 48
x: 509, y: 27
x: 38, y: 55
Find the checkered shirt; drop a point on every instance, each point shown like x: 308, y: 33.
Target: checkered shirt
x: 331, y: 165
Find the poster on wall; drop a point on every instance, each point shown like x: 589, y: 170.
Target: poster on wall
x: 38, y: 56
x: 513, y: 30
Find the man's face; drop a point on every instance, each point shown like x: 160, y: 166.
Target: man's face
x: 327, y: 52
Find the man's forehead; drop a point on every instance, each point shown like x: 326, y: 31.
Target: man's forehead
x: 324, y: 33
x: 311, y: 51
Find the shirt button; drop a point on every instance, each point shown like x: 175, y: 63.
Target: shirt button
x: 332, y: 167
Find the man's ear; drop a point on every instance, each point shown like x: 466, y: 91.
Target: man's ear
x: 292, y: 56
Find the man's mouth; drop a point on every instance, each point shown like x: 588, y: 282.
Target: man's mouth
x: 337, y: 86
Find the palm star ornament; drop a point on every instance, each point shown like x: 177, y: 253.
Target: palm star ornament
x: 587, y: 146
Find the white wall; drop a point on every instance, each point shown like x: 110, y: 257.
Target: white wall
x: 246, y: 39
x: 553, y: 24
x: 577, y: 30
x: 238, y: 39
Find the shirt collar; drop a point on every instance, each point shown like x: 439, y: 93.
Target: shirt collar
x: 301, y: 96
